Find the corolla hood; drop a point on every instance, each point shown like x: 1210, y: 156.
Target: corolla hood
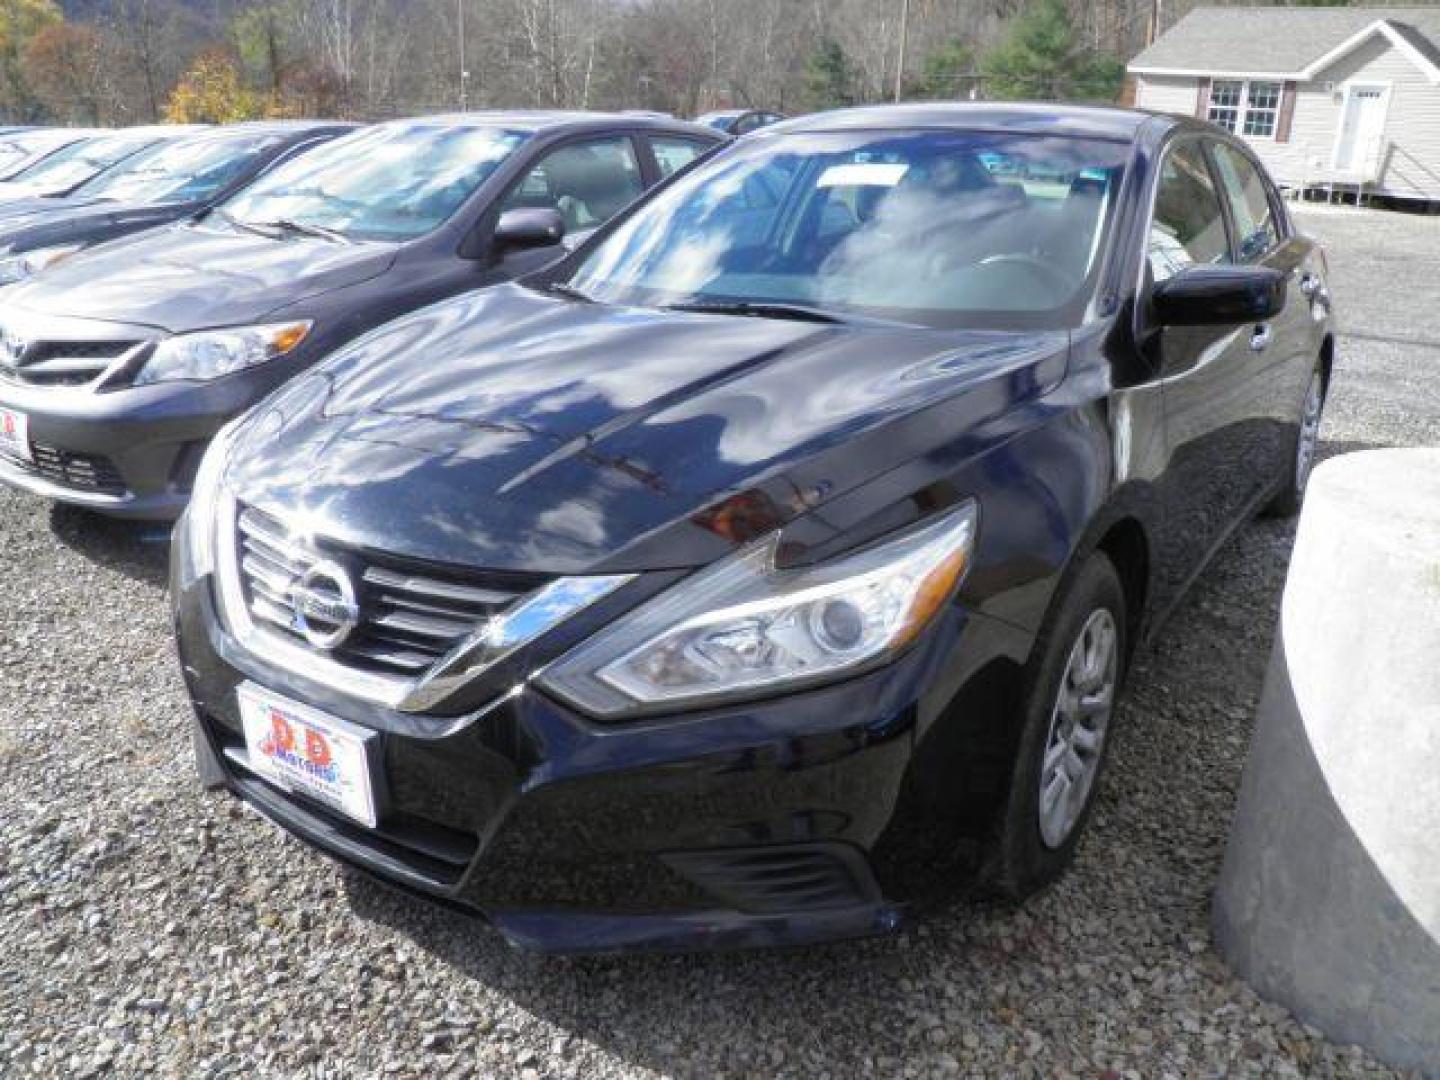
x: 80, y: 223
x: 36, y: 207
x: 509, y: 429
x: 197, y: 275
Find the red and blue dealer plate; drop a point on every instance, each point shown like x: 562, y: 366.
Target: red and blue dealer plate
x: 305, y: 751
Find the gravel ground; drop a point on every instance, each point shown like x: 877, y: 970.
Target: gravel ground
x: 145, y: 926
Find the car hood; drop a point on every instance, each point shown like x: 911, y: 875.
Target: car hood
x: 35, y: 207
x: 511, y: 430
x: 71, y: 223
x: 197, y: 275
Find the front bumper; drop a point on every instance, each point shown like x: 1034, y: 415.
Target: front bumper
x: 129, y: 452
x: 749, y: 825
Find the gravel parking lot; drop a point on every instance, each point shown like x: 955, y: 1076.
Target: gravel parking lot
x: 146, y: 926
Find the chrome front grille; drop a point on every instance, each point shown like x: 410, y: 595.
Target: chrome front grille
x: 405, y: 620
x: 62, y: 363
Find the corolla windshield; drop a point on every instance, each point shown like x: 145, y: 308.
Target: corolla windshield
x: 179, y: 172
x: 382, y: 183
x: 14, y: 149
x: 79, y: 161
x: 932, y: 228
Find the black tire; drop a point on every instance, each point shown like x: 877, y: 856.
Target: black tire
x: 1291, y: 496
x: 1020, y: 861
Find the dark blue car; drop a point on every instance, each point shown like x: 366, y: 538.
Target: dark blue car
x: 776, y: 555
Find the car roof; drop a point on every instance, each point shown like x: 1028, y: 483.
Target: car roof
x: 161, y: 131
x: 534, y: 121
x: 1094, y: 121
x: 259, y: 128
x: 281, y: 127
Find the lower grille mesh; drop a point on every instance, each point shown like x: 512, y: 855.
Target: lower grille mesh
x: 785, y: 877
x: 83, y: 472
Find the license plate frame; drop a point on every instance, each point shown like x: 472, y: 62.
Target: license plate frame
x: 306, y: 751
x: 15, y: 434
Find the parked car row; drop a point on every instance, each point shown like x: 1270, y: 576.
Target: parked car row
x: 648, y: 540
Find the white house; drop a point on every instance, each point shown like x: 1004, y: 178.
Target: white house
x: 1327, y: 96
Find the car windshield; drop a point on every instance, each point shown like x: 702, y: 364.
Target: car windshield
x: 79, y: 161
x: 384, y: 183
x: 180, y: 172
x: 942, y: 229
x: 14, y: 149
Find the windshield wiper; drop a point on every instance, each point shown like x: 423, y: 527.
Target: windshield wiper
x: 564, y: 288
x: 759, y: 309
x: 248, y: 226
x: 303, y: 228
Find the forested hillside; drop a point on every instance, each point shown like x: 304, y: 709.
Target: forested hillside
x: 123, y: 61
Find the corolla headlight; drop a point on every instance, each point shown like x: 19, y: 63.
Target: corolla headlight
x: 744, y: 627
x: 199, y: 525
x: 26, y: 264
x: 209, y: 354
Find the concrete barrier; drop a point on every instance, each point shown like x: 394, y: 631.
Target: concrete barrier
x: 1329, y: 899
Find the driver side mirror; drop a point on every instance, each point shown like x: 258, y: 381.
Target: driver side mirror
x: 1219, y: 296
x: 528, y: 227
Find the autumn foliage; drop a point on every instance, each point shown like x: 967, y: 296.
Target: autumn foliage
x: 212, y: 92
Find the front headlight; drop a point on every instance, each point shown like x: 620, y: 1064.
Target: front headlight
x: 27, y: 264
x: 199, y: 524
x: 744, y: 627
x: 209, y: 354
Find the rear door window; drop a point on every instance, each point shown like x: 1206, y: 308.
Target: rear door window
x: 1188, y: 226
x: 673, y: 153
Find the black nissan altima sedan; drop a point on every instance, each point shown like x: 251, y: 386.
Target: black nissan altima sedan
x: 778, y: 554
x: 118, y: 364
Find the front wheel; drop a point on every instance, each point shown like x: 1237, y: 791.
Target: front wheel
x: 1289, y: 498
x: 1065, y: 733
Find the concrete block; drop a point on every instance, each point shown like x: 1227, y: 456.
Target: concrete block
x: 1329, y: 898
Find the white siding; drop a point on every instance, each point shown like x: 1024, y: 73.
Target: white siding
x: 1412, y: 125
x: 1167, y: 93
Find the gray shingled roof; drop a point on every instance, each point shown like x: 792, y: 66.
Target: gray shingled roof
x: 1274, y: 40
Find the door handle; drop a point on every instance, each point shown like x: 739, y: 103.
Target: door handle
x: 1260, y: 338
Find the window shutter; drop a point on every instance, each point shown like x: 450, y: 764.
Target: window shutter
x: 1202, y: 101
x: 1287, y: 112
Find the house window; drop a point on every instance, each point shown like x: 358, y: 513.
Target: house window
x: 1246, y: 108
x: 1262, y: 107
x: 1225, y: 103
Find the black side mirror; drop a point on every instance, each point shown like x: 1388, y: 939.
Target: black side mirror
x: 1219, y: 296
x: 528, y: 227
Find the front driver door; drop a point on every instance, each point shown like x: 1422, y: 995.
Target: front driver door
x: 587, y: 180
x: 1206, y: 375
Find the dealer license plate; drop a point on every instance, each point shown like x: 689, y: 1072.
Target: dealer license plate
x: 14, y: 434
x: 307, y: 752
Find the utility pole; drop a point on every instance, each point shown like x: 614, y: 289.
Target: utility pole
x: 1153, y: 30
x: 464, y: 75
x: 904, y: 34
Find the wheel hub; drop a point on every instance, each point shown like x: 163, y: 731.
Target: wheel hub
x: 1079, y: 721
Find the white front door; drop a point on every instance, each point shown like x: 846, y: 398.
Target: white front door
x: 1362, y: 125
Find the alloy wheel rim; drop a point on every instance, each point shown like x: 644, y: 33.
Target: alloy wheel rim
x: 1309, y: 434
x: 1079, y: 721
